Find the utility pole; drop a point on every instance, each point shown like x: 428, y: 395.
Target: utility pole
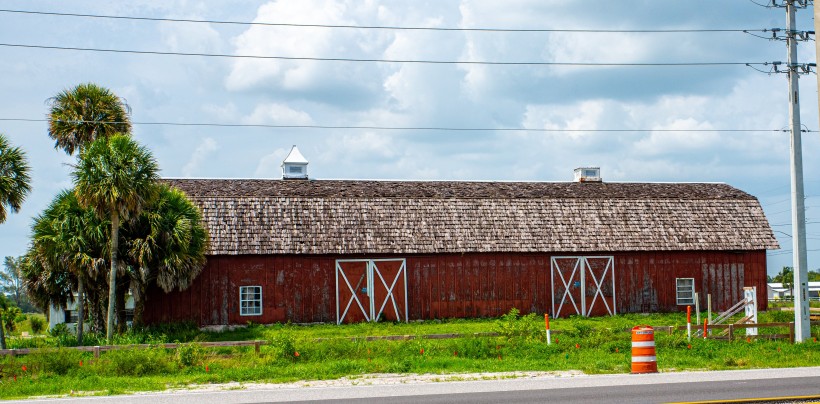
x: 802, y: 332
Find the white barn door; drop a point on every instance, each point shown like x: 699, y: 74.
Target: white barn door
x: 583, y: 285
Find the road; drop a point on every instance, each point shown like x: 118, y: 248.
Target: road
x: 650, y: 388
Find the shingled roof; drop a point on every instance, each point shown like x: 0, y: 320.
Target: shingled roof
x: 410, y: 217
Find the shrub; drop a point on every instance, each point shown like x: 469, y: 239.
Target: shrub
x: 513, y: 324
x: 37, y: 324
x: 56, y: 361
x: 190, y: 354
x: 283, y: 345
x: 63, y: 335
x: 135, y: 362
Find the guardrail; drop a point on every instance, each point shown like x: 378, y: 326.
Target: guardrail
x: 102, y: 348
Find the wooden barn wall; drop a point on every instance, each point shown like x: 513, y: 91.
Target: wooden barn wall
x: 302, y: 289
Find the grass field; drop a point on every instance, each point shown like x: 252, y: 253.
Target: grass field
x: 591, y: 345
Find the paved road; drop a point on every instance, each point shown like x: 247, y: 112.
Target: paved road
x: 652, y: 388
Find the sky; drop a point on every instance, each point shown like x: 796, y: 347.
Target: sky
x: 569, y: 107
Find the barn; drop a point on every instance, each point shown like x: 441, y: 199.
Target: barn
x: 305, y: 251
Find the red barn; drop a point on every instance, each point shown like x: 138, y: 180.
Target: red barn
x: 341, y: 251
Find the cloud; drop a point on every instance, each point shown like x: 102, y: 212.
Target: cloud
x: 270, y: 165
x: 199, y: 156
x: 317, y: 80
x: 277, y: 114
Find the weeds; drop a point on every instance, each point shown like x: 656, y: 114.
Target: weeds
x: 591, y: 345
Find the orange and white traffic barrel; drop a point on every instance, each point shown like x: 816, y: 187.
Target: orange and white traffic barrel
x: 643, y: 350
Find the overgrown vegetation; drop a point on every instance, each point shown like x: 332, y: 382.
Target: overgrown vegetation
x: 292, y: 352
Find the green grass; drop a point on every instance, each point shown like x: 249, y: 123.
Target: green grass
x: 321, y: 352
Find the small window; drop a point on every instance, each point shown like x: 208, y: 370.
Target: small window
x: 685, y: 291
x: 70, y: 317
x: 294, y: 169
x: 250, y: 300
x: 590, y: 173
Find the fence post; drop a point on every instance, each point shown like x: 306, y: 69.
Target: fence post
x: 791, y: 332
x: 256, y: 347
x: 97, y: 352
x: 731, y: 332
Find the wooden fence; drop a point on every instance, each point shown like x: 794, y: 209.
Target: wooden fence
x: 98, y: 349
x: 729, y: 335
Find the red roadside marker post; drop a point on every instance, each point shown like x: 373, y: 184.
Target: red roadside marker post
x: 547, y: 326
x: 689, y: 323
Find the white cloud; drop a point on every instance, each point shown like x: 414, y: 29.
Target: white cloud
x: 269, y: 166
x: 277, y: 114
x: 199, y: 156
x: 300, y: 42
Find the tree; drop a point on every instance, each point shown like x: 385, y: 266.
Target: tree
x: 116, y: 178
x: 5, y: 304
x: 85, y: 113
x: 67, y: 237
x: 14, y: 178
x: 13, y: 284
x: 786, y: 277
x: 166, y: 246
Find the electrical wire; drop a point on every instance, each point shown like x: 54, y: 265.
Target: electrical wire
x: 375, y: 27
x: 411, y: 128
x: 439, y: 62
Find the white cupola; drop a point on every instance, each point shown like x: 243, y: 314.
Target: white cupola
x: 294, y: 167
x: 588, y: 174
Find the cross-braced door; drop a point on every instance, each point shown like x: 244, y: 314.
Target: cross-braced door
x: 370, y: 290
x: 583, y: 285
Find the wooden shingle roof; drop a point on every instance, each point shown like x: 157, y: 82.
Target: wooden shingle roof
x: 409, y: 217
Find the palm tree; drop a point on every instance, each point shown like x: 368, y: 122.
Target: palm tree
x: 69, y: 238
x: 14, y: 178
x: 83, y: 114
x: 166, y: 246
x: 4, y: 305
x: 116, y: 178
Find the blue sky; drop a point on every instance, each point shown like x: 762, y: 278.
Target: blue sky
x: 275, y: 92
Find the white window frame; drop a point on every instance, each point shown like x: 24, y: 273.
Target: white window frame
x: 684, y: 301
x: 251, y: 306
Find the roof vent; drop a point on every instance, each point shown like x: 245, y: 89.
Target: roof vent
x: 294, y: 167
x: 588, y: 174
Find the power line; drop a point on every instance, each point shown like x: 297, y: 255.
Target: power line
x: 378, y: 27
x: 412, y: 128
x: 457, y: 62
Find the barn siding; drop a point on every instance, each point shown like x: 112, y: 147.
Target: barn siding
x: 302, y: 289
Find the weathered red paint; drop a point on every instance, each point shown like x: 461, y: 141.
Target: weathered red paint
x: 302, y: 289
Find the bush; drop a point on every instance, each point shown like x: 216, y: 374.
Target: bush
x: 63, y: 335
x: 284, y: 345
x: 37, y: 324
x: 190, y: 354
x: 513, y: 324
x: 56, y: 361
x: 135, y: 362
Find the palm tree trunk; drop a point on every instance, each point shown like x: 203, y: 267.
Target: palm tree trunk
x: 121, y: 324
x: 112, y: 277
x: 139, y: 303
x: 80, y: 310
x: 2, y: 331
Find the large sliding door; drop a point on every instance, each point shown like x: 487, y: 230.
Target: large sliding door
x: 371, y: 290
x: 583, y: 286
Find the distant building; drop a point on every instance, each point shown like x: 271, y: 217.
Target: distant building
x: 58, y: 315
x: 777, y: 291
